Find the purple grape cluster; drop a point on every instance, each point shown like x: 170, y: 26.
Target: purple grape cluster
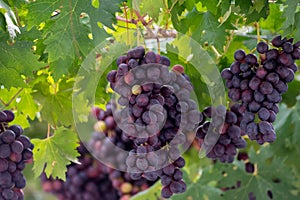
x: 106, y: 137
x: 221, y: 136
x: 109, y: 143
x: 107, y: 134
x: 257, y: 85
x: 86, y: 181
x: 15, y: 152
x: 157, y: 112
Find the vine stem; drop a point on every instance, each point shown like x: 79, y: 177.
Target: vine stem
x: 215, y: 51
x: 119, y: 18
x: 174, y: 3
x: 127, y: 26
x: 230, y: 39
x: 49, y: 131
x: 257, y: 31
x: 12, y: 98
x: 158, y: 45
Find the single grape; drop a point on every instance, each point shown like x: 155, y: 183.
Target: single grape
x: 266, y: 88
x: 288, y: 47
x: 296, y: 54
x: 270, y: 65
x: 226, y: 73
x: 272, y: 54
x: 136, y: 53
x: 121, y: 59
x: 4, y: 151
x: 263, y: 114
x: 276, y: 41
x: 3, y: 116
x: 251, y: 59
x: 166, y: 192
x: 285, y: 59
x: 262, y: 47
x: 111, y: 76
x: 239, y: 55
x: 17, y: 147
x: 235, y: 68
x: 8, y: 136
x: 244, y: 66
x: 254, y: 83
x: 272, y: 78
x: 165, y: 61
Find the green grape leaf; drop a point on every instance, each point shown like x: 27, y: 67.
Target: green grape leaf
x: 289, y: 12
x: 211, y: 6
x: 290, y: 96
x: 21, y: 102
x: 254, y: 15
x: 56, y: 105
x: 153, y: 193
x: 205, y: 28
x: 21, y: 120
x: 244, y: 5
x: 17, y: 60
x: 151, y: 7
x: 53, y: 154
x: 287, y: 127
x: 269, y: 176
x: 61, y: 66
x: 27, y: 104
x: 297, y: 25
x: 259, y: 5
x: 71, y: 30
x: 274, y: 21
x: 204, y: 187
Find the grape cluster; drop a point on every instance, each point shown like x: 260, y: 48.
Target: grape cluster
x: 107, y: 135
x: 15, y: 152
x: 109, y: 143
x: 257, y: 85
x: 86, y: 181
x: 156, y: 115
x: 220, y: 137
x: 126, y: 183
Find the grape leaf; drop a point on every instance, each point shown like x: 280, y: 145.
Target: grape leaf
x: 151, y: 7
x: 211, y: 5
x: 259, y: 5
x: 56, y: 105
x: 254, y: 15
x: 205, y: 28
x: 21, y: 120
x: 244, y: 5
x: 67, y: 35
x: 274, y: 20
x: 287, y: 128
x: 270, y: 175
x: 17, y: 60
x: 21, y: 102
x: 297, y: 24
x: 55, y: 153
x: 289, y: 12
x: 202, y: 188
x: 27, y: 104
x: 153, y: 193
